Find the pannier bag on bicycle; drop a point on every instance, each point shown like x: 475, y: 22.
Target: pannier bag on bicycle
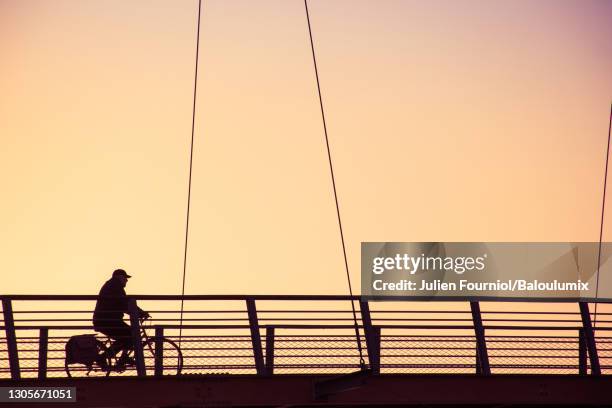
x: 82, y: 349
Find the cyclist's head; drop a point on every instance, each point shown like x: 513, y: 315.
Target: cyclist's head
x: 121, y: 275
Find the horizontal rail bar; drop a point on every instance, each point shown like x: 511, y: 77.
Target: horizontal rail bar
x: 324, y: 319
x: 329, y: 326
x: 330, y: 311
x: 307, y: 297
x: 185, y: 297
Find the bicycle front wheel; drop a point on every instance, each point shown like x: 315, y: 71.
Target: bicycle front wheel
x: 171, y: 356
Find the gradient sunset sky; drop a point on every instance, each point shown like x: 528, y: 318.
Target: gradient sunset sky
x: 448, y: 121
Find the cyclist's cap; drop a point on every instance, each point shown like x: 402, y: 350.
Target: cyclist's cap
x: 121, y: 272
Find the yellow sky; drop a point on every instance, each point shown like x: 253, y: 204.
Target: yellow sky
x: 448, y: 121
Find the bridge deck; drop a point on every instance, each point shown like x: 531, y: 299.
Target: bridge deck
x: 300, y: 390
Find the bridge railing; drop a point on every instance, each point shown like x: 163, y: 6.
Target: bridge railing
x: 269, y: 335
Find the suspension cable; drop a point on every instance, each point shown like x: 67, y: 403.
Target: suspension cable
x: 603, y: 207
x: 193, y: 117
x: 333, y: 180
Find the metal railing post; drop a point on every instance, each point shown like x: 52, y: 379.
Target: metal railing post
x: 481, y: 343
x: 589, y: 337
x: 135, y: 326
x: 269, y: 350
x: 11, y: 338
x: 372, y: 341
x: 43, y: 341
x: 159, y: 351
x: 582, y: 353
x: 376, y: 349
x: 255, y: 337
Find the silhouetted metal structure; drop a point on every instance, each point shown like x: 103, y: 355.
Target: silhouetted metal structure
x: 245, y: 335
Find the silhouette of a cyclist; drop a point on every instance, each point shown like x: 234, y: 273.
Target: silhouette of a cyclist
x: 112, y: 303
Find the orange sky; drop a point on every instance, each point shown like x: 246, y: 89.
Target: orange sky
x: 448, y: 121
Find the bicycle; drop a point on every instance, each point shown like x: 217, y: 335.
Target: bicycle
x: 94, y: 347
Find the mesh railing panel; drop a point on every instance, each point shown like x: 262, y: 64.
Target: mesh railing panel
x: 316, y: 354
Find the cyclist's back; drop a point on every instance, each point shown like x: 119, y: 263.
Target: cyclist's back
x: 112, y: 303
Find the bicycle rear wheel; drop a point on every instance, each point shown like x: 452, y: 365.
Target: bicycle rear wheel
x: 172, y: 357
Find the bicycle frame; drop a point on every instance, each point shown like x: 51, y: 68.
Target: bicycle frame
x: 144, y: 336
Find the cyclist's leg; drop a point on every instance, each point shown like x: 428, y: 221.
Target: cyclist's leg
x: 124, y: 342
x: 122, y: 336
x: 109, y: 352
